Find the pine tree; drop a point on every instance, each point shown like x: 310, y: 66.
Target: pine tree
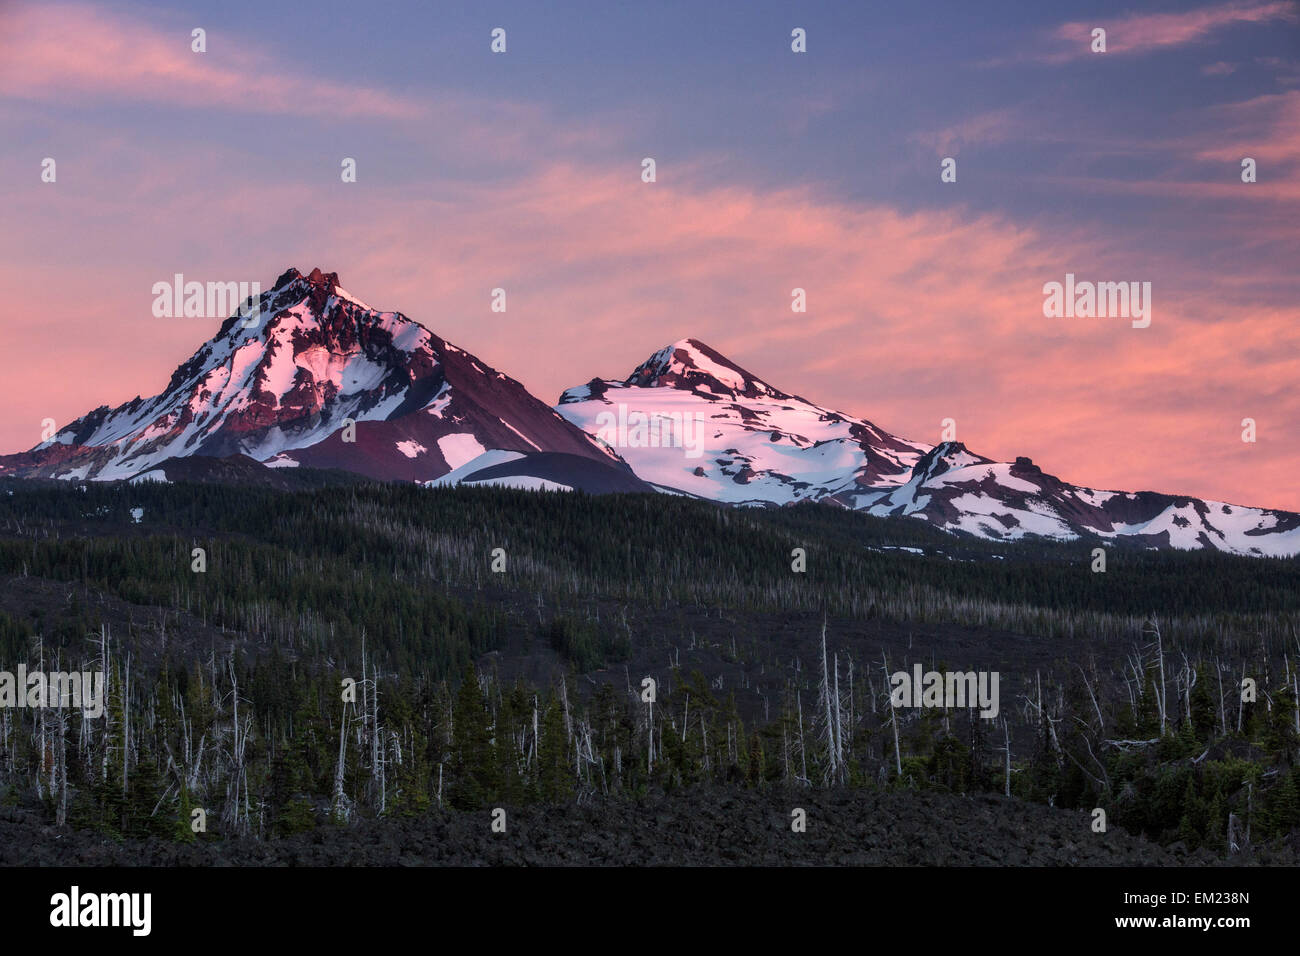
x: 1203, y: 703
x: 1284, y: 806
x: 473, y: 764
x: 554, y: 778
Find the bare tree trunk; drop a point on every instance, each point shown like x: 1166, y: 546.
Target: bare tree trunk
x: 893, y: 720
x: 650, y: 755
x: 62, y: 818
x: 564, y: 699
x: 108, y: 721
x: 1160, y: 650
x: 1101, y: 722
x: 1295, y: 678
x: 378, y: 756
x: 839, y: 726
x: 126, y: 722
x: 1006, y: 736
x: 1241, y: 698
x: 1223, y: 717
x: 830, y: 720
x: 1038, y: 676
x: 38, y: 732
x: 803, y: 753
x: 532, y: 750
x: 852, y: 719
x: 340, y: 808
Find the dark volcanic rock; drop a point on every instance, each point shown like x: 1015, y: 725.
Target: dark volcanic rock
x: 704, y: 827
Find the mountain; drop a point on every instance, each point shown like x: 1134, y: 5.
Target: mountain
x: 688, y: 420
x: 320, y: 379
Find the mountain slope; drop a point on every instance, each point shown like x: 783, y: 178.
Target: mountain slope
x: 689, y: 420
x: 323, y: 380
x: 734, y: 438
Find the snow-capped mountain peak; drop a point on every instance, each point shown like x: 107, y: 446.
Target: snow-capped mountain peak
x: 691, y: 364
x: 761, y: 446
x: 755, y: 443
x: 315, y: 376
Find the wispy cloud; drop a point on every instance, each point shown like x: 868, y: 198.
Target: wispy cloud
x: 916, y: 313
x: 1265, y: 127
x: 913, y: 316
x: 1138, y: 33
x: 993, y: 126
x: 1204, y: 161
x: 77, y: 52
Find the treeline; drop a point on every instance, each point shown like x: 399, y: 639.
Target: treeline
x: 310, y: 603
x: 401, y: 590
x: 270, y: 747
x: 645, y: 549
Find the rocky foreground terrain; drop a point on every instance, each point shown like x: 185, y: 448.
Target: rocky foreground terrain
x: 845, y: 828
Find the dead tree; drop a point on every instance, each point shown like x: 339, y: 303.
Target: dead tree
x: 1223, y: 717
x: 893, y: 719
x: 1006, y: 738
x: 831, y: 739
x: 1101, y: 722
x: 1160, y: 656
x: 341, y: 808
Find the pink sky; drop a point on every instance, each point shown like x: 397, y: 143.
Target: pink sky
x: 915, y: 313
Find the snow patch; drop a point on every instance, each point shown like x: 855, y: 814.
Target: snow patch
x: 459, y: 449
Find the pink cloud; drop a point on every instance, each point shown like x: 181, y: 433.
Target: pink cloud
x: 80, y: 52
x: 913, y: 317
x: 1266, y: 128
x: 994, y: 126
x: 1144, y: 32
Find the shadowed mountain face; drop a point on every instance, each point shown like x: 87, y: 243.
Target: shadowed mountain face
x: 689, y: 420
x: 318, y: 378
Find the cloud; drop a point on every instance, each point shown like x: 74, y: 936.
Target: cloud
x: 82, y: 53
x: 913, y: 316
x: 1266, y: 127
x: 1145, y: 32
x: 993, y: 126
